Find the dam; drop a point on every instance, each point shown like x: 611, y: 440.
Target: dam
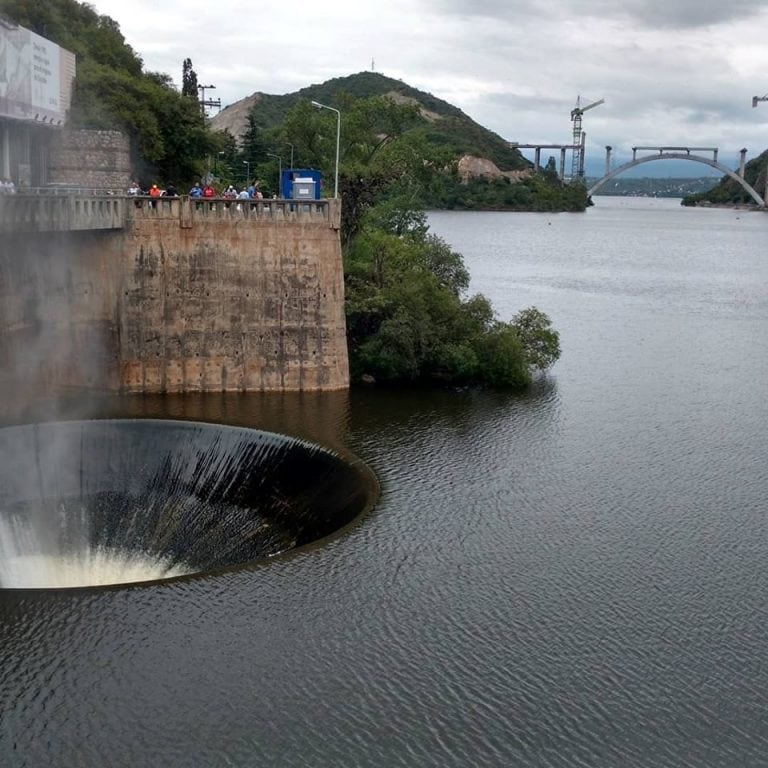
x: 171, y: 296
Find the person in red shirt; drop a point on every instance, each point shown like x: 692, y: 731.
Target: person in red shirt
x: 154, y: 192
x: 209, y: 191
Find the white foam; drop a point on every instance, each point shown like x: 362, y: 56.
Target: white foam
x: 90, y: 568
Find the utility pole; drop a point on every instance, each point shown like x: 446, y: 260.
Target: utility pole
x: 207, y: 102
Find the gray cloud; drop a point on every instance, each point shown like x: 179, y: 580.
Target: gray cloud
x: 654, y: 14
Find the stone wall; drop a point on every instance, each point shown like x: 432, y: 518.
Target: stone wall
x: 170, y: 304
x: 90, y: 159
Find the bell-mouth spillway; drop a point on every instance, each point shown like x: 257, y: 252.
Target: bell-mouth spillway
x: 110, y: 502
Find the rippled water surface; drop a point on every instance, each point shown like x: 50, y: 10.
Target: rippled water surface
x: 575, y: 576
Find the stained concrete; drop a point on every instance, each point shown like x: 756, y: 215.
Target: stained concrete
x: 180, y: 298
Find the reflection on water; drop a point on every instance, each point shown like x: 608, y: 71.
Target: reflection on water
x: 573, y: 576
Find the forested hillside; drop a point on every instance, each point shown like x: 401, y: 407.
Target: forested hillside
x: 443, y: 124
x: 445, y: 133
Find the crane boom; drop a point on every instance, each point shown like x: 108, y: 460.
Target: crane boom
x: 577, y: 111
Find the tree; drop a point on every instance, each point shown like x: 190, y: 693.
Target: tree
x: 253, y: 145
x: 408, y: 320
x: 540, y: 341
x: 188, y: 80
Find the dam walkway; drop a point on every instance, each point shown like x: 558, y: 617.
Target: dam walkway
x: 22, y: 213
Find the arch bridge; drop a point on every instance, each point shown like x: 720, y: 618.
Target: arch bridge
x: 679, y: 153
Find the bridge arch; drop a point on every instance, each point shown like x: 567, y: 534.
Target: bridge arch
x: 679, y: 156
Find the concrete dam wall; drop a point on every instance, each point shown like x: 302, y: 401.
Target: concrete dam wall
x: 178, y: 297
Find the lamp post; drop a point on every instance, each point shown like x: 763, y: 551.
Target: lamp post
x: 291, y: 146
x: 247, y: 164
x: 338, y: 136
x: 279, y: 173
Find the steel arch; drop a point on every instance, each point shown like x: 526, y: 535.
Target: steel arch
x: 678, y: 156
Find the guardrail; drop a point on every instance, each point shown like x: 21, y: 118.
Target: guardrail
x: 67, y: 190
x: 34, y: 213
x: 218, y: 208
x: 49, y: 213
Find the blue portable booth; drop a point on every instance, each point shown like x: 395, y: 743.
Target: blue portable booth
x: 301, y: 184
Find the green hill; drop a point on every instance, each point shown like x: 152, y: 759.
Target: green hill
x: 482, y: 171
x: 442, y: 123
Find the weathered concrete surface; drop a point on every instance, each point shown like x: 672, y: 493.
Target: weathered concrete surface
x: 180, y: 300
x: 60, y: 213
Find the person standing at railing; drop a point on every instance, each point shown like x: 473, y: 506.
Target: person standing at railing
x: 242, y: 195
x: 208, y: 194
x: 196, y: 192
x: 230, y: 193
x: 154, y: 192
x: 135, y: 191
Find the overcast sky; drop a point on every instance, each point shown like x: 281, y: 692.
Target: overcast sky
x: 672, y: 72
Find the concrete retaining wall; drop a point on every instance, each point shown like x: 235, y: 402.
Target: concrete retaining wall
x: 179, y: 300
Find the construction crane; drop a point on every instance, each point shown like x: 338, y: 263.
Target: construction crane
x: 755, y: 99
x: 577, y: 167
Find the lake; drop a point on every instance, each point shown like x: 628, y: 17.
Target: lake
x: 571, y: 576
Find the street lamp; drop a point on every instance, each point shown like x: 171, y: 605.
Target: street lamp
x: 279, y: 173
x: 291, y: 146
x: 247, y: 164
x: 338, y: 136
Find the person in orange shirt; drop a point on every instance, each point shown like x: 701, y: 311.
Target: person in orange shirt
x: 153, y: 192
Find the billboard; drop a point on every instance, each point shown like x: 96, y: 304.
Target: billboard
x: 31, y: 85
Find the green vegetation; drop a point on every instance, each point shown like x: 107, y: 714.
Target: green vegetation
x: 538, y: 193
x: 441, y: 129
x: 408, y: 320
x: 729, y: 192
x: 408, y: 315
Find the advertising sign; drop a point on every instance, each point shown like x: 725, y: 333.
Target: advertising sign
x: 30, y: 76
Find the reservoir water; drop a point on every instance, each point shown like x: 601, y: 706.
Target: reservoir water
x: 574, y: 576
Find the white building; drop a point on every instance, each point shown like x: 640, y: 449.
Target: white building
x: 36, y: 78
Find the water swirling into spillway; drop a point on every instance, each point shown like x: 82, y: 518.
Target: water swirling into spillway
x: 86, y: 503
